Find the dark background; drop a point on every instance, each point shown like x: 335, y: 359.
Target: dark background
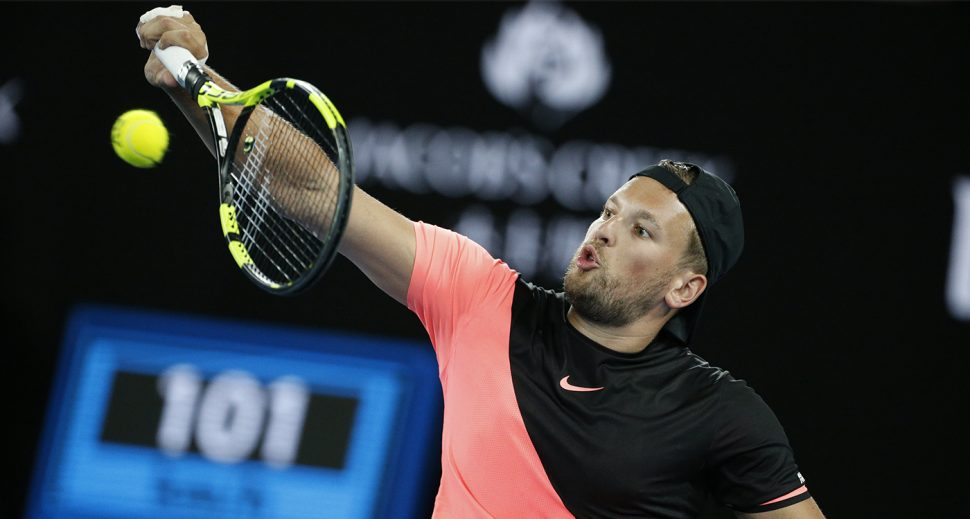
x: 846, y: 125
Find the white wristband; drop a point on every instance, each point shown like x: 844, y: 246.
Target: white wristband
x: 174, y: 11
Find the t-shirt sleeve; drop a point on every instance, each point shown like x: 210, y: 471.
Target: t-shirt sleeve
x: 453, y: 277
x: 751, y: 464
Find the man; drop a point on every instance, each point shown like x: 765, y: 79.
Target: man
x: 586, y: 404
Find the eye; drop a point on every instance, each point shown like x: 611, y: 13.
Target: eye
x: 607, y: 213
x: 641, y: 231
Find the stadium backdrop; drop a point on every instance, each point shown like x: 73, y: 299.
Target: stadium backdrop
x: 842, y: 126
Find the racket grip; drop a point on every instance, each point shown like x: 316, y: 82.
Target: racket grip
x: 183, y: 65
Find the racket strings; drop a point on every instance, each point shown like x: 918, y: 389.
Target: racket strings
x: 259, y: 220
x: 255, y: 208
x: 286, y: 183
x: 250, y: 236
x: 261, y: 207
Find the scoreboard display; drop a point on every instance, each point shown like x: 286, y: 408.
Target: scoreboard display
x: 170, y: 416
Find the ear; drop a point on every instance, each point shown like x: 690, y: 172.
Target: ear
x: 686, y: 290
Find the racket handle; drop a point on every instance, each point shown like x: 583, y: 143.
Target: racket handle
x: 183, y: 65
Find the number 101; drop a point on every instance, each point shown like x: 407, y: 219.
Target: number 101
x: 228, y: 415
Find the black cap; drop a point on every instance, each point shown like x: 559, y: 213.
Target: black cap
x: 716, y: 212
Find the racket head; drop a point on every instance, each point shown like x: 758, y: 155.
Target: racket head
x: 285, y: 184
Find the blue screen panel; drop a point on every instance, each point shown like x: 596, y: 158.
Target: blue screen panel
x: 157, y: 415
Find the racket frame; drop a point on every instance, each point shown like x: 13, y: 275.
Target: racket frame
x: 210, y: 96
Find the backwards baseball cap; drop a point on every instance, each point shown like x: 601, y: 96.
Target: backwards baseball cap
x: 716, y: 212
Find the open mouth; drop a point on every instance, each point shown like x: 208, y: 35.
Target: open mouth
x: 587, y: 258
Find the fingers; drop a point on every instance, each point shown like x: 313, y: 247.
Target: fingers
x: 172, y: 11
x: 166, y: 27
x: 149, y: 32
x: 194, y: 42
x: 183, y: 31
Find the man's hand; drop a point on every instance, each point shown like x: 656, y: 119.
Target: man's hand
x: 165, y: 27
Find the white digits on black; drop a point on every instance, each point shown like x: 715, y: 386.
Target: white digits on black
x: 179, y: 386
x: 288, y: 404
x: 228, y: 414
x: 231, y: 415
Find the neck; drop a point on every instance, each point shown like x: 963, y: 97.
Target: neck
x: 630, y: 338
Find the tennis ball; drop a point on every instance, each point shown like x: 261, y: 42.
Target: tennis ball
x: 139, y: 137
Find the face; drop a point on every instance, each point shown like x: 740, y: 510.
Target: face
x: 628, y: 261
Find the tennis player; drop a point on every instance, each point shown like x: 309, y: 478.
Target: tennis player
x: 585, y: 403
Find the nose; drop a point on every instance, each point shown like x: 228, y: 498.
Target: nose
x: 605, y: 231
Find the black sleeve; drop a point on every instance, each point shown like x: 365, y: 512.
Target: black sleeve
x: 751, y: 467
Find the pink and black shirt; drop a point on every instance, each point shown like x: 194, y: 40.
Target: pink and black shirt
x: 540, y: 421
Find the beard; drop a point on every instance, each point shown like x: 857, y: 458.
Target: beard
x: 604, y: 299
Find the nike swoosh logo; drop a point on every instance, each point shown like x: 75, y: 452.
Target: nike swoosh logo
x: 564, y: 383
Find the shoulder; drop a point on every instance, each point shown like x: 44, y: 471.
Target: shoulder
x: 433, y: 239
x: 718, y: 379
x: 728, y: 399
x: 704, y: 376
x: 537, y: 307
x: 735, y: 398
x: 735, y: 395
x: 527, y: 293
x: 741, y: 417
x: 454, y: 273
x: 444, y: 251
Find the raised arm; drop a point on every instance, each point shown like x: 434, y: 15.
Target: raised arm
x: 378, y: 240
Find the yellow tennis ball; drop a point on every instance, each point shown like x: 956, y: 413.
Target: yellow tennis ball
x: 139, y: 137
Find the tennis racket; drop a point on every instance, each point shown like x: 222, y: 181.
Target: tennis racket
x: 285, y: 174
